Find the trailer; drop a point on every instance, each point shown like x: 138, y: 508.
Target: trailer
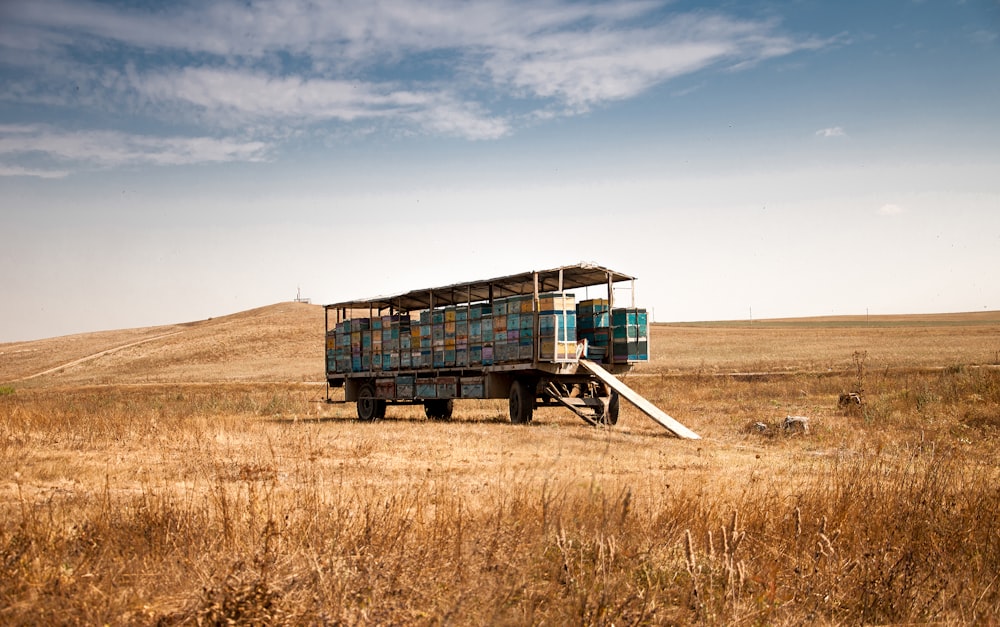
x: 524, y: 337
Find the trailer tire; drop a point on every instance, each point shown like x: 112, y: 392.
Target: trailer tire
x: 369, y: 407
x: 522, y: 402
x: 439, y: 409
x: 610, y: 416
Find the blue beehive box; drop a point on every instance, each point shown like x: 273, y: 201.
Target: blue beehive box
x: 629, y: 331
x: 624, y: 316
x: 592, y: 306
x: 473, y: 387
x: 405, y: 386
x: 527, y: 321
x: 447, y: 387
x: 526, y: 349
x: 426, y: 388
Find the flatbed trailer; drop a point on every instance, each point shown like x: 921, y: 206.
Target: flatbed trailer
x: 521, y: 337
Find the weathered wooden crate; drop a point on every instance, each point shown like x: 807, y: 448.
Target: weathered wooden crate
x: 473, y: 387
x: 479, y: 310
x: 525, y: 349
x: 551, y: 349
x: 426, y: 388
x: 447, y: 387
x: 556, y: 301
x: 385, y: 388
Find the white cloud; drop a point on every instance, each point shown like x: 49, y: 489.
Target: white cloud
x: 113, y: 148
x: 890, y: 210
x: 236, y: 97
x: 984, y: 38
x: 14, y: 170
x: 274, y: 68
x: 574, y: 52
x: 833, y: 131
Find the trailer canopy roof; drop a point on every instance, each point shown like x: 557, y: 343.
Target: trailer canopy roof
x: 564, y: 278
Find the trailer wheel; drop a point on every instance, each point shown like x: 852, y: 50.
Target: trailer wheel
x: 439, y: 409
x: 522, y: 402
x: 610, y: 417
x: 369, y: 407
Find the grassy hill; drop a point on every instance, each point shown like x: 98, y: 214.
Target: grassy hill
x: 282, y: 342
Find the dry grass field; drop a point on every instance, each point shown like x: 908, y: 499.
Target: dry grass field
x: 191, y: 474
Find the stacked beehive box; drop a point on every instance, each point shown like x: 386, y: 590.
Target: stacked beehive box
x: 630, y: 335
x: 348, y: 346
x: 508, y: 330
x: 370, y: 344
x: 557, y: 331
x: 594, y: 318
x: 619, y: 335
x: 513, y: 329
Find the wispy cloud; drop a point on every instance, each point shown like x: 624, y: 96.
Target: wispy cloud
x: 16, y: 170
x: 984, y: 38
x: 833, y: 131
x: 440, y: 67
x: 890, y: 210
x: 234, y: 97
x: 77, y: 149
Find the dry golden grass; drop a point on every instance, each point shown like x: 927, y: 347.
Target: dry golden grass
x: 169, y: 485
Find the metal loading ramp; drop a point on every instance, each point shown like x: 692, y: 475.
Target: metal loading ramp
x: 639, y: 401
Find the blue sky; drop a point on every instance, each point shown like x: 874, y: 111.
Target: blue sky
x: 163, y: 163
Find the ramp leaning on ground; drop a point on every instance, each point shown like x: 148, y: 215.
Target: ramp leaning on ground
x: 639, y: 401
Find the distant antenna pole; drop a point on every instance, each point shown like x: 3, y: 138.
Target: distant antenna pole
x: 751, y: 314
x: 298, y: 296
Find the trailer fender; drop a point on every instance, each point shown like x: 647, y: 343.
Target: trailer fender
x: 498, y: 384
x: 351, y: 389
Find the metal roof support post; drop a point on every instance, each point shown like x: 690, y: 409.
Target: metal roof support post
x: 560, y: 280
x: 326, y: 324
x: 611, y: 291
x: 633, y: 293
